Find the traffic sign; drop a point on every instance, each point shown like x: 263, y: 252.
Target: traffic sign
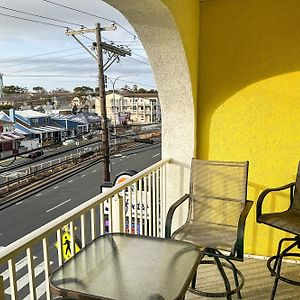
x: 66, y: 245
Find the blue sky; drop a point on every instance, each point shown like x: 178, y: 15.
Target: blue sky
x: 26, y: 48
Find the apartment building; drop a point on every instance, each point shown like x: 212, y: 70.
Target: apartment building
x: 132, y: 107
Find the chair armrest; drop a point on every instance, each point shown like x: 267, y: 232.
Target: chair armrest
x: 241, y: 229
x: 264, y: 193
x: 171, y: 213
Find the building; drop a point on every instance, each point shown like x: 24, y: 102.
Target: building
x: 37, y: 127
x: 133, y: 107
x: 79, y: 124
x: 9, y: 140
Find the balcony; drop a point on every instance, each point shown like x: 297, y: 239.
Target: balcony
x: 147, y: 194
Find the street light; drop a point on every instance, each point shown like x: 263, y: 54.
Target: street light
x: 113, y: 82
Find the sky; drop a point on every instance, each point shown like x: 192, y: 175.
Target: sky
x: 37, y: 54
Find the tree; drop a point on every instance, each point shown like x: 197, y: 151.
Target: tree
x: 135, y: 88
x: 125, y: 88
x: 83, y: 90
x: 13, y: 89
x: 141, y: 90
x: 39, y: 90
x: 59, y: 90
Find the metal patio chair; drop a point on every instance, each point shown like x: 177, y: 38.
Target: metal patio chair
x: 216, y: 218
x: 288, y: 221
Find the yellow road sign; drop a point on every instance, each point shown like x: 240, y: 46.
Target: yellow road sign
x: 66, y: 246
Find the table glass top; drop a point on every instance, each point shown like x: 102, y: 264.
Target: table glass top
x: 129, y: 267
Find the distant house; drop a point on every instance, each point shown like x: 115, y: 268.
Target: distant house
x: 37, y: 127
x: 9, y: 140
x: 78, y: 124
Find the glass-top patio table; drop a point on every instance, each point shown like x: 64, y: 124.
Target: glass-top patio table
x: 128, y: 267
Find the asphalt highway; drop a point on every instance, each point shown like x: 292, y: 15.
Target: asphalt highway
x: 37, y: 210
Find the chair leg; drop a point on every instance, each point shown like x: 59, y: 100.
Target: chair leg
x: 193, y: 285
x: 278, y: 262
x: 278, y: 254
x: 275, y: 284
x: 235, y: 276
x: 225, y: 278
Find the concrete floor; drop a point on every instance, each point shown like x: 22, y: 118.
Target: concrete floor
x: 258, y: 282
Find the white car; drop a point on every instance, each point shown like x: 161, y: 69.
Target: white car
x: 68, y: 142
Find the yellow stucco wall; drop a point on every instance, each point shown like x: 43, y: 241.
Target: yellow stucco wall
x: 187, y: 19
x: 249, y: 96
x: 246, y: 59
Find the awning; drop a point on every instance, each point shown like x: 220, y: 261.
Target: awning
x: 44, y: 129
x: 10, y: 137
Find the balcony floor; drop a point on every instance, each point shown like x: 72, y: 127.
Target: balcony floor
x: 258, y: 282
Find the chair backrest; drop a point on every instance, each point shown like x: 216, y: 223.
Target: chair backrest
x: 218, y: 190
x: 296, y: 199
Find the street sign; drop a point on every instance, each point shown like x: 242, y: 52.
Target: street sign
x: 66, y: 245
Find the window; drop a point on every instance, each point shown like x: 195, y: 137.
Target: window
x: 34, y: 121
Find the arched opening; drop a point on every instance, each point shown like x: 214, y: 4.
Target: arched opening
x: 157, y: 30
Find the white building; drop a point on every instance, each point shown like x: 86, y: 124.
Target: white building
x: 136, y: 107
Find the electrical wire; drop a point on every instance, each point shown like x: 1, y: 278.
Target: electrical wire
x: 38, y: 55
x: 138, y: 83
x: 90, y: 14
x: 33, y: 21
x: 48, y: 76
x: 143, y: 57
x: 34, y: 61
x: 39, y: 16
x: 10, y: 163
x: 47, y: 66
x: 137, y: 60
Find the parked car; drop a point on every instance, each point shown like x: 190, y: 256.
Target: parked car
x: 35, y: 154
x: 68, y: 142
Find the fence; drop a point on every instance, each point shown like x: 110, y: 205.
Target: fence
x: 136, y: 206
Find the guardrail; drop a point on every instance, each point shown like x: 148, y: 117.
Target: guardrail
x: 138, y: 205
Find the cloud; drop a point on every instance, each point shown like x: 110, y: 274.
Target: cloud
x: 20, y: 38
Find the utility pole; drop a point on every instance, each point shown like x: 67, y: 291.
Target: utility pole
x: 1, y: 85
x: 102, y: 96
x: 113, y: 54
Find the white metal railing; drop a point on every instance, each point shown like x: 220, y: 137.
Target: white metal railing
x: 138, y: 205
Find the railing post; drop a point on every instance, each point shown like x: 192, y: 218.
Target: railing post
x: 117, y: 213
x: 1, y: 288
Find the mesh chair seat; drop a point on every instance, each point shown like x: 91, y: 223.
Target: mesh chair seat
x: 216, y: 218
x: 208, y: 235
x: 288, y: 221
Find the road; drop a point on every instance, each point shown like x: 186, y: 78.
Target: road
x: 37, y: 210
x: 34, y: 211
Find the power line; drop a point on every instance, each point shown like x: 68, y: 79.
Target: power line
x: 137, y: 83
x: 39, y: 16
x: 90, y: 14
x: 137, y: 60
x: 140, y: 56
x: 38, y: 55
x: 49, y: 75
x: 33, y: 61
x: 33, y: 21
x: 47, y: 66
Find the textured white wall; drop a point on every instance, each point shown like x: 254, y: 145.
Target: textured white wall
x: 157, y: 31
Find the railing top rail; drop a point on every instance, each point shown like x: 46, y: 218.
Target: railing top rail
x: 42, y: 232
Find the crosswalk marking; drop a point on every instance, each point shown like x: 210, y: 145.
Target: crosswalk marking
x: 19, y: 265
x: 40, y: 291
x: 24, y: 280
